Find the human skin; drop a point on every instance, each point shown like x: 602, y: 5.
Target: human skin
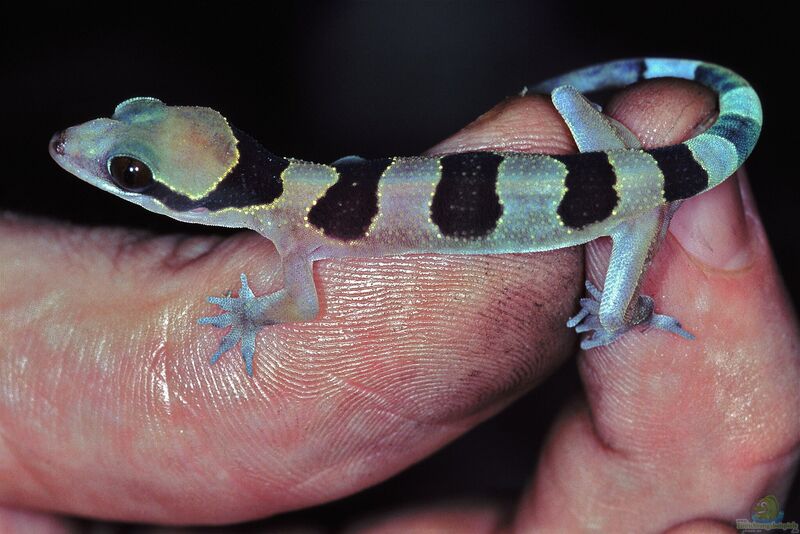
x: 109, y: 408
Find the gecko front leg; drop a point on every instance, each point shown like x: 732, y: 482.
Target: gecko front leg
x: 247, y: 314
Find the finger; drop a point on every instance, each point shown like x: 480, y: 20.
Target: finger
x: 677, y: 431
x: 12, y: 521
x: 110, y: 408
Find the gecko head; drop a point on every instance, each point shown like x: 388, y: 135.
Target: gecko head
x: 165, y: 158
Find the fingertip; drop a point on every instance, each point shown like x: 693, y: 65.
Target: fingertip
x: 714, y: 230
x: 520, y: 124
x: 664, y: 111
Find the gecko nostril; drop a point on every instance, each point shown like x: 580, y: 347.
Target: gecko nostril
x: 57, y: 143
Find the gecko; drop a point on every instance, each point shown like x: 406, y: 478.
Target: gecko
x: 190, y: 164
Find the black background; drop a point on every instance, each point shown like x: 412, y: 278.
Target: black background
x: 319, y: 80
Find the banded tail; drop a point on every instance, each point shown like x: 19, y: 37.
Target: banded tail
x: 707, y: 159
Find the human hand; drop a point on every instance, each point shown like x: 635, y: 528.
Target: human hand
x: 110, y: 410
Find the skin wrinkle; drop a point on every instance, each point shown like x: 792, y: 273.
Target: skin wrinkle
x: 373, y: 457
x: 720, y: 254
x: 131, y: 244
x: 187, y: 250
x: 68, y: 239
x: 682, y: 112
x: 372, y: 395
x: 31, y: 468
x: 703, y: 122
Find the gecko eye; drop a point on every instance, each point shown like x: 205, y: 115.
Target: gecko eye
x: 130, y: 173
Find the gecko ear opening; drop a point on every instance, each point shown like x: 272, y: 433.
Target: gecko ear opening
x: 135, y: 106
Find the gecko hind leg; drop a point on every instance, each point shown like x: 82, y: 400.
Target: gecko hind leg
x: 619, y: 307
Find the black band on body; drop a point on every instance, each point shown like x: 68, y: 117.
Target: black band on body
x: 590, y: 195
x: 466, y: 203
x: 683, y: 175
x: 347, y: 208
x: 255, y: 180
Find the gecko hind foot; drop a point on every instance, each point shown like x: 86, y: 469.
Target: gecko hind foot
x: 243, y: 316
x: 588, y: 319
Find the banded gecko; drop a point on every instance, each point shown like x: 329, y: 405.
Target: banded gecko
x: 189, y: 163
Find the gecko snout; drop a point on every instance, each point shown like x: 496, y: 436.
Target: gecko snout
x: 57, y: 143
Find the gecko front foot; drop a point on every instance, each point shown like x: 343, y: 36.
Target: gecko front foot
x: 244, y: 314
x: 588, y: 319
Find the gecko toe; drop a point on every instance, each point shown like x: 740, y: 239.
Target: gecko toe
x: 220, y: 321
x: 669, y: 324
x: 249, y: 349
x: 226, y: 303
x: 227, y: 343
x: 245, y: 292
